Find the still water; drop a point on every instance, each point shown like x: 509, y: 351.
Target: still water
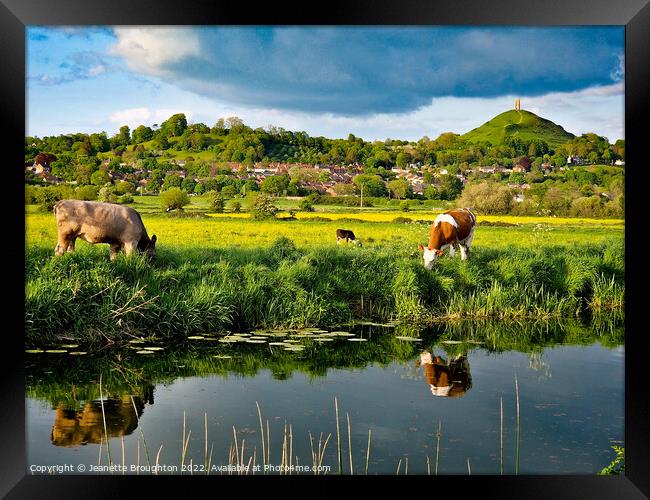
x: 570, y: 382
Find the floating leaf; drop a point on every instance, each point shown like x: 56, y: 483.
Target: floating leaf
x: 153, y: 348
x: 196, y: 337
x: 56, y: 351
x: 77, y: 353
x: 256, y: 341
x: 136, y: 341
x: 222, y: 356
x: 358, y: 340
x: 451, y: 342
x: 277, y: 343
x: 34, y: 351
x: 144, y: 352
x: 69, y: 346
x: 409, y: 339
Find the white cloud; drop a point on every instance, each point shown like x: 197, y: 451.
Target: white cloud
x: 96, y: 70
x: 149, y: 50
x: 145, y: 116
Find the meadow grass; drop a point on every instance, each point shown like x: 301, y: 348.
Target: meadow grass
x: 206, y: 233
x: 213, y: 274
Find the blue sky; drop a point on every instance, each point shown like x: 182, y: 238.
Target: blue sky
x: 375, y: 82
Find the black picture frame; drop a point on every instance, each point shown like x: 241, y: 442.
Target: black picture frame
x: 15, y: 15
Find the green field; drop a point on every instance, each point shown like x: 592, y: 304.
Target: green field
x: 222, y: 273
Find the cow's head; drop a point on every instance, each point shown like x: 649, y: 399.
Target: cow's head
x: 150, y: 248
x: 429, y: 256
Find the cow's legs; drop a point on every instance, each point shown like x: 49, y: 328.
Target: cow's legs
x: 452, y: 249
x: 62, y: 244
x: 464, y: 248
x: 338, y: 240
x: 130, y: 247
x: 71, y: 242
x: 115, y: 249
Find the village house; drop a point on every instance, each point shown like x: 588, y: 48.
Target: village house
x: 575, y: 160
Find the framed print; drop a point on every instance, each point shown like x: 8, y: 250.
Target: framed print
x: 376, y: 241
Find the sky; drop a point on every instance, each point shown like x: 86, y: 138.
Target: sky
x: 374, y: 82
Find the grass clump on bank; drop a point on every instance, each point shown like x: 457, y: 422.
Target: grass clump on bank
x: 192, y: 290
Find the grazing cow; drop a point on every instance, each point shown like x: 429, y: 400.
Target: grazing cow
x: 455, y: 227
x: 344, y: 234
x: 96, y: 222
x: 445, y: 379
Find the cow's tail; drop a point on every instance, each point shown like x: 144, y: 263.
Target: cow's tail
x: 473, y: 216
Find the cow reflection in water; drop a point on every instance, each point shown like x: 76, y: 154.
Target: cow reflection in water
x: 447, y: 379
x: 79, y: 427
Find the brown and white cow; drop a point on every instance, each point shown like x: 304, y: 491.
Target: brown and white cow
x: 97, y: 222
x: 450, y: 229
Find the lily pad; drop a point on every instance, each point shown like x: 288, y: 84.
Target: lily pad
x: 277, y: 343
x: 153, y: 348
x: 144, y: 352
x: 69, y: 346
x: 196, y: 337
x: 409, y: 339
x: 34, y: 351
x: 358, y: 340
x: 256, y: 341
x: 451, y: 342
x: 77, y: 353
x: 222, y: 356
x: 326, y: 339
x: 56, y: 351
x: 136, y: 341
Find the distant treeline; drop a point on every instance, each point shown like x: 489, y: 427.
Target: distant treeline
x: 232, y: 141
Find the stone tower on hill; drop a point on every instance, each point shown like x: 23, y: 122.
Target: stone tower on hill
x: 517, y: 104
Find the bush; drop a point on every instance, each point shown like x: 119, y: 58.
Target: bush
x: 174, y: 199
x: 305, y: 205
x: 125, y: 187
x: 587, y: 206
x: 125, y: 198
x: 236, y: 207
x: 48, y: 196
x: 263, y: 207
x: 31, y: 195
x: 107, y: 194
x: 405, y: 206
x: 87, y: 193
x: 487, y: 198
x: 217, y: 202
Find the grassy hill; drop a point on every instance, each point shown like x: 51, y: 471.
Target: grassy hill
x: 522, y: 124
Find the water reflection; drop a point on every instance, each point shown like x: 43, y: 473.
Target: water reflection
x: 572, y: 415
x: 74, y: 427
x: 449, y: 379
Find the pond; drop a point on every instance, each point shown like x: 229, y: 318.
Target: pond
x: 444, y: 398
